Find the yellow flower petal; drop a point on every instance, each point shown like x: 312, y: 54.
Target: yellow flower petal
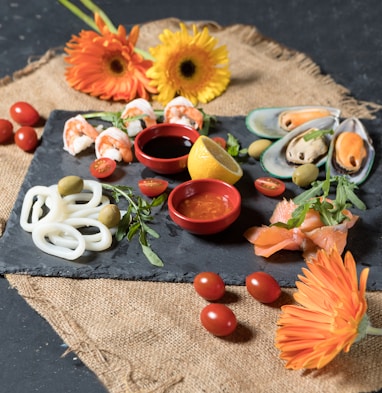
x: 189, y: 65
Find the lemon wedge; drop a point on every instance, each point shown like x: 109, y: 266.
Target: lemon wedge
x: 207, y: 159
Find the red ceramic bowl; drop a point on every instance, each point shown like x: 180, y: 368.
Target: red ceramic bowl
x: 164, y: 147
x: 197, y: 220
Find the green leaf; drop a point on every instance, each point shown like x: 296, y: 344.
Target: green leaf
x: 317, y: 196
x: 312, y: 192
x: 314, y: 134
x: 233, y: 145
x: 150, y: 231
x: 133, y: 229
x: 139, y: 211
x: 123, y: 227
x: 152, y: 257
x: 159, y: 200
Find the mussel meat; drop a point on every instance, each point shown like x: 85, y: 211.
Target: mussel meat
x: 300, y: 151
x: 275, y: 123
x: 283, y: 156
x: 290, y: 119
x: 351, y: 151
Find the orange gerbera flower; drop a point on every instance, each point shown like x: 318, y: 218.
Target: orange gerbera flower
x: 332, y: 315
x: 106, y: 65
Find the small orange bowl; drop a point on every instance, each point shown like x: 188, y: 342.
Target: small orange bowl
x: 164, y: 147
x: 204, y: 206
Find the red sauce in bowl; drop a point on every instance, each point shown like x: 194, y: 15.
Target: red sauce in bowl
x: 205, y: 206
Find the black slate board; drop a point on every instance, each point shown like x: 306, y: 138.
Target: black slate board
x: 184, y: 254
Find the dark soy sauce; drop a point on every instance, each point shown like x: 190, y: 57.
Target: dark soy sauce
x: 167, y: 147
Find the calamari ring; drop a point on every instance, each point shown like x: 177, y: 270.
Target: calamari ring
x: 95, y: 242
x: 55, y: 207
x: 43, y: 229
x: 92, y: 199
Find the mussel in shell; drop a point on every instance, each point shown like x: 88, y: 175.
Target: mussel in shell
x: 275, y: 123
x: 283, y: 156
x: 351, y: 151
x: 301, y: 151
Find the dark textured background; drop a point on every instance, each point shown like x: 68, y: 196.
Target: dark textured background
x: 343, y: 38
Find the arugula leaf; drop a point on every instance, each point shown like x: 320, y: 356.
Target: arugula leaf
x: 314, y: 134
x: 234, y: 148
x: 331, y: 211
x: 209, y: 122
x: 115, y: 119
x: 139, y: 211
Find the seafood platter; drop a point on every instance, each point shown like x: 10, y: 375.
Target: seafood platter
x: 347, y: 150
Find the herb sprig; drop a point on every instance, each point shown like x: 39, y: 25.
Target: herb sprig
x: 115, y: 119
x: 331, y: 211
x: 134, y: 221
x: 234, y: 148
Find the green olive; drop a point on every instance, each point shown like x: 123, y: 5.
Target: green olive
x: 256, y: 148
x: 110, y: 215
x: 70, y: 185
x: 305, y: 174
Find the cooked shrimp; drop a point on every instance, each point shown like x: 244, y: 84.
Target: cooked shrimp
x: 115, y: 144
x: 181, y: 111
x: 78, y: 135
x: 138, y: 107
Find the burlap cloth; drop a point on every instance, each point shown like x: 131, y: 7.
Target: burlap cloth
x: 146, y: 337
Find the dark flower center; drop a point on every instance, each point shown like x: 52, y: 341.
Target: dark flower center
x: 117, y: 66
x: 187, y: 68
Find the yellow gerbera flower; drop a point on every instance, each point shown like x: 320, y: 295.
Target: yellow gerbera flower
x: 332, y: 315
x: 189, y: 65
x: 106, y: 65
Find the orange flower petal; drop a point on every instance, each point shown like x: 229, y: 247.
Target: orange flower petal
x: 332, y: 308
x: 105, y: 65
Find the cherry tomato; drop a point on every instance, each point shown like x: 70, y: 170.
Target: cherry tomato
x: 24, y: 114
x: 218, y: 319
x: 6, y: 130
x: 209, y: 285
x: 102, y: 167
x: 26, y: 138
x: 270, y: 186
x: 222, y: 142
x: 152, y: 187
x: 263, y: 287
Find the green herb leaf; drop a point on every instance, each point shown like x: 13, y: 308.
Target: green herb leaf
x: 233, y: 145
x: 152, y: 256
x: 314, y: 134
x: 331, y: 212
x: 139, y: 211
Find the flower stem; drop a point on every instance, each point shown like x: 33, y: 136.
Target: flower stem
x: 80, y: 14
x: 146, y: 55
x: 95, y: 9
x: 374, y: 331
x: 90, y: 21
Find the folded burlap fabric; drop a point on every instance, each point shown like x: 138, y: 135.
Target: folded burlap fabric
x: 145, y: 336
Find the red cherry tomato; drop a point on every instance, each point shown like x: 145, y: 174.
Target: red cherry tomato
x: 102, y: 167
x: 152, y: 187
x: 218, y: 319
x: 209, y: 285
x: 263, y: 287
x: 222, y: 142
x: 26, y: 138
x: 24, y: 114
x: 6, y: 130
x: 270, y: 186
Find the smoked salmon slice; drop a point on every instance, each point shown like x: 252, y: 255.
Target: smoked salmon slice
x: 268, y: 240
x: 310, y: 236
